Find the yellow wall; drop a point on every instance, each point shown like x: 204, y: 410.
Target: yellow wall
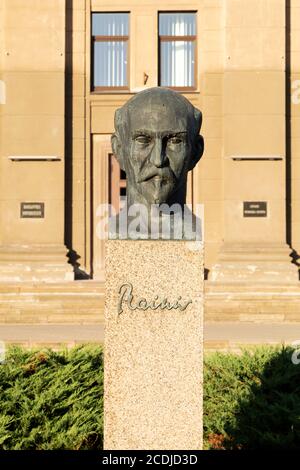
x: 241, y: 90
x: 207, y: 97
x: 254, y: 118
x: 32, y: 67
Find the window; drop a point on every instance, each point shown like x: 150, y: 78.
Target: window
x: 177, y: 50
x: 110, y: 35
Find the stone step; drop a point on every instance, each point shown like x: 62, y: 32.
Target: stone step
x: 262, y: 256
x: 32, y: 318
x: 235, y: 315
x: 34, y: 263
x: 36, y: 248
x: 82, y: 302
x: 77, y: 302
x: 218, y: 288
x: 255, y: 272
x: 256, y: 264
x: 66, y: 287
x: 252, y: 302
x: 255, y: 247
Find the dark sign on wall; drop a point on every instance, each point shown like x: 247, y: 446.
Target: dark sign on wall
x: 32, y: 210
x: 255, y: 209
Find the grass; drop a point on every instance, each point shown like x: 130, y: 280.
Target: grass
x: 54, y: 400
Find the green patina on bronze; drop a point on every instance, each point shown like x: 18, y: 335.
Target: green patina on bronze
x: 157, y: 142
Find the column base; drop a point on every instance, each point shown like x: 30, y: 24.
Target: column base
x: 42, y: 263
x: 255, y: 263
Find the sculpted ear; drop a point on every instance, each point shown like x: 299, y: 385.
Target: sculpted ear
x: 117, y: 149
x: 116, y: 140
x: 197, y: 153
x: 198, y: 143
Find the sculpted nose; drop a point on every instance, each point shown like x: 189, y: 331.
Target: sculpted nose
x: 158, y: 156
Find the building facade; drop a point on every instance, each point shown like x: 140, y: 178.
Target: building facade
x: 66, y: 66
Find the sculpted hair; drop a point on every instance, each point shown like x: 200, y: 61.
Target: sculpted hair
x: 194, y: 116
x: 120, y: 121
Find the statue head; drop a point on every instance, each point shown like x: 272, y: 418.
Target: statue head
x: 157, y: 143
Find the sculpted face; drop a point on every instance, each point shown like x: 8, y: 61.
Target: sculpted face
x: 157, y: 143
x: 159, y: 151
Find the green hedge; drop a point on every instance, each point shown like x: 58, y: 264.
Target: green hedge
x: 252, y: 401
x: 53, y: 400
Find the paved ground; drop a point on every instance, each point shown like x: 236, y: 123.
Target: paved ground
x: 216, y: 335
x: 247, y: 332
x: 53, y: 334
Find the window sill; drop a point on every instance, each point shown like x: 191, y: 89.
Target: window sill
x: 112, y: 92
x: 128, y: 92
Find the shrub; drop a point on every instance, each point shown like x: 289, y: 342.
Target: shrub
x: 252, y: 401
x: 51, y: 400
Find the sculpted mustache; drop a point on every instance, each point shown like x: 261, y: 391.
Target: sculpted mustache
x: 163, y: 173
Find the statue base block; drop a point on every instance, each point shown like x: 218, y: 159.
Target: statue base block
x: 153, y: 345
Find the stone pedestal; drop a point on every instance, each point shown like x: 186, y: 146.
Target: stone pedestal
x: 35, y: 263
x: 260, y: 263
x: 153, y: 345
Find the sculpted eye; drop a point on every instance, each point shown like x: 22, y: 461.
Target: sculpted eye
x: 143, y: 139
x: 175, y: 140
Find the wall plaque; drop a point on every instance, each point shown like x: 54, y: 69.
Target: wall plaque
x: 32, y: 210
x: 255, y: 209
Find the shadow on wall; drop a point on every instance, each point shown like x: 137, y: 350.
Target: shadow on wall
x: 252, y: 401
x: 74, y: 257
x: 294, y: 255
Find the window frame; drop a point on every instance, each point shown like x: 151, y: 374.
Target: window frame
x: 103, y: 38
x: 168, y: 38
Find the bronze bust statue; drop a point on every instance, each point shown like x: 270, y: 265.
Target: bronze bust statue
x: 157, y: 142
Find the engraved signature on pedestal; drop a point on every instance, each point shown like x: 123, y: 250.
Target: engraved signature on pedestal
x: 127, y: 298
